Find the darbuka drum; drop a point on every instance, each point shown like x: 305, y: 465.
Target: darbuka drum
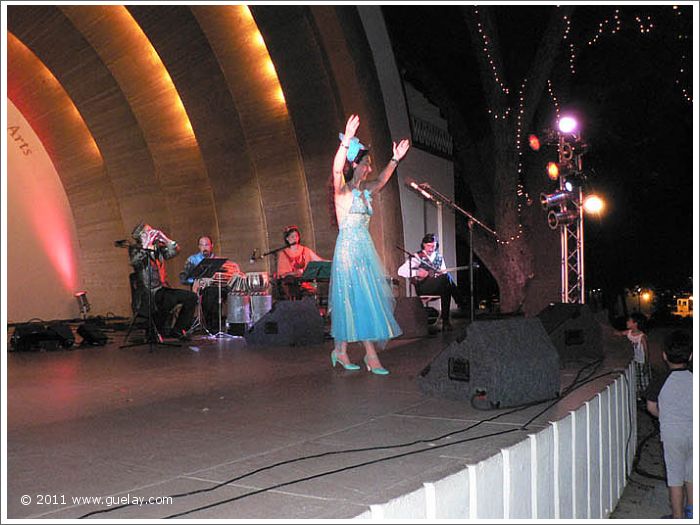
x: 238, y: 285
x: 258, y: 283
x: 238, y: 309
x: 259, y: 306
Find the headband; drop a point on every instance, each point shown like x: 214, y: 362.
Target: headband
x: 354, y: 147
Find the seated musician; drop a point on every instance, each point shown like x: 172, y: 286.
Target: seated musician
x: 148, y: 258
x: 292, y: 262
x: 208, y: 287
x: 427, y: 272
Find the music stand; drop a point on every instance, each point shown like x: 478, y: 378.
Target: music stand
x: 317, y: 271
x: 204, y: 270
x: 207, y: 267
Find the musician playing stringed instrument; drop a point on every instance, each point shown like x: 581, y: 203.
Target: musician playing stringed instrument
x: 428, y: 273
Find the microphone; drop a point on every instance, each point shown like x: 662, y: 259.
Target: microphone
x: 253, y: 256
x: 121, y: 243
x: 417, y: 187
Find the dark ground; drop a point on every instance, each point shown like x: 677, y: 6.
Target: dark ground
x: 646, y: 494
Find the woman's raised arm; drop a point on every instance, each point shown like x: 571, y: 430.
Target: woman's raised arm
x: 339, y: 162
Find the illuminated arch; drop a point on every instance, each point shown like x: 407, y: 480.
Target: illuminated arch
x: 269, y: 135
x: 156, y: 105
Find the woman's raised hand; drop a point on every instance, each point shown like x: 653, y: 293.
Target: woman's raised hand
x: 401, y: 148
x: 351, y: 126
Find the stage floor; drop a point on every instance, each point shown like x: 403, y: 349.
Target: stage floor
x: 250, y: 432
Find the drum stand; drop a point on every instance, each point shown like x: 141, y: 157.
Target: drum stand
x: 221, y: 334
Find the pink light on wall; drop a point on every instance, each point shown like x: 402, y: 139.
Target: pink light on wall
x: 49, y: 216
x: 40, y: 204
x: 54, y: 231
x: 41, y: 223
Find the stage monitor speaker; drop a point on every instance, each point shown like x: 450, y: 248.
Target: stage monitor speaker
x: 288, y: 323
x: 29, y: 336
x: 411, y: 316
x: 497, y: 364
x: 40, y: 336
x: 92, y: 335
x: 574, y: 331
x: 63, y: 333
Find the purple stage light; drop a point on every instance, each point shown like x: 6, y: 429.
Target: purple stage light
x: 567, y: 124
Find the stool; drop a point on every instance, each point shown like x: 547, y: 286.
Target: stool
x: 426, y: 300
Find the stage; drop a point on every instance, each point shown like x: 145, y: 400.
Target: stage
x: 256, y: 432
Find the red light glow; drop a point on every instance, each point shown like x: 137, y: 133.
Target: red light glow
x: 53, y: 229
x: 534, y: 142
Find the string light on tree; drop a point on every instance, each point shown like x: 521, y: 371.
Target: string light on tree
x: 550, y: 90
x: 489, y: 59
x: 618, y: 22
x: 682, y: 73
x: 502, y: 116
x: 644, y: 26
x: 572, y: 52
x: 613, y: 25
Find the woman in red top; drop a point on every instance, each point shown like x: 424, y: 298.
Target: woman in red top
x: 292, y: 262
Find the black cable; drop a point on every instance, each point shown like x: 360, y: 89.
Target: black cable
x: 336, y: 471
x: 637, y: 457
x: 313, y: 456
x: 327, y: 473
x: 566, y: 392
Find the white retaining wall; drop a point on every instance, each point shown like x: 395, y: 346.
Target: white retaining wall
x: 576, y: 467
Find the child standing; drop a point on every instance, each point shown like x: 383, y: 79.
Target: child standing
x: 636, y: 333
x: 670, y: 398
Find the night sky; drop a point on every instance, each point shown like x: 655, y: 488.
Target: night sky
x: 627, y: 87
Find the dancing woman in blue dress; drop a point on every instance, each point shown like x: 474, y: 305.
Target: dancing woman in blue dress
x: 361, y: 301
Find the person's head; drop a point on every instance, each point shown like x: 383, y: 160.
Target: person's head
x: 429, y: 243
x: 360, y: 167
x: 205, y: 245
x: 678, y: 348
x: 291, y: 235
x: 637, y: 321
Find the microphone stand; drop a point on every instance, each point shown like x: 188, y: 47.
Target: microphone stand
x: 275, y: 253
x: 153, y: 337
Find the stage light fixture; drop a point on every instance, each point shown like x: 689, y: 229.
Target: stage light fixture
x: 567, y: 124
x: 560, y: 218
x: 83, y: 303
x: 593, y: 204
x: 553, y: 170
x: 559, y: 197
x: 534, y: 142
x: 562, y: 207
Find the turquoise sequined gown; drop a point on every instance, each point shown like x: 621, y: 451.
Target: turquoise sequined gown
x: 361, y: 301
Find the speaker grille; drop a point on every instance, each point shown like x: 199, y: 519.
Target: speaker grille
x: 458, y: 369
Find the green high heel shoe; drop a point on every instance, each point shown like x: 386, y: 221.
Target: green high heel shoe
x: 346, y: 366
x: 380, y: 371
